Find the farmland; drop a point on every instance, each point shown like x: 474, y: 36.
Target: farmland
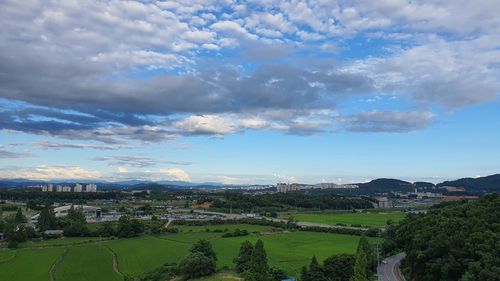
x: 87, y: 263
x: 368, y: 219
x: 30, y: 265
x: 71, y: 260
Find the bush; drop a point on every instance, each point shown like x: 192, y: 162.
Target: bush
x: 196, y: 265
x: 236, y: 233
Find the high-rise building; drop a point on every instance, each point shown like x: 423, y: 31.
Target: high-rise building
x: 47, y: 188
x: 59, y: 188
x: 66, y: 188
x: 91, y: 187
x: 78, y: 188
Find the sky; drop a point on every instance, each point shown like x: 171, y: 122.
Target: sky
x: 249, y: 92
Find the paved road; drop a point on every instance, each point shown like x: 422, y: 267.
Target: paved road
x: 389, y: 271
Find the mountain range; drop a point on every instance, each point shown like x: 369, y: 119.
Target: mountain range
x: 481, y: 184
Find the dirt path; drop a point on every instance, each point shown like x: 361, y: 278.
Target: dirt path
x: 55, y: 266
x: 168, y: 223
x: 115, y: 262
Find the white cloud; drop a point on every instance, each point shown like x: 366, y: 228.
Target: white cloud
x: 254, y: 123
x: 206, y: 124
x: 175, y: 173
x: 285, y: 178
x: 49, y: 173
x: 122, y: 169
x: 233, y: 29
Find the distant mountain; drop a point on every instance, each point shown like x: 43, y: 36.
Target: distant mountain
x: 481, y: 184
x: 386, y: 185
x: 128, y: 184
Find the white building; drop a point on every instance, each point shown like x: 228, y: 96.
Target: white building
x: 78, y: 188
x: 91, y: 187
x: 59, y: 188
x: 62, y: 211
x: 47, y: 188
x: 66, y: 188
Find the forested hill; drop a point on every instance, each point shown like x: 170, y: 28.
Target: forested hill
x: 482, y: 184
x: 386, y: 185
x: 455, y: 241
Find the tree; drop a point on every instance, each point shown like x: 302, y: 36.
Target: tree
x: 258, y: 269
x: 19, y: 218
x: 75, y: 223
x: 360, y: 266
x: 452, y: 241
x: 106, y: 229
x: 15, y: 234
x: 205, y: 247
x: 47, y: 219
x: 370, y: 259
x: 128, y: 227
x: 315, y: 272
x: 339, y: 267
x: 197, y: 265
x: 277, y: 274
x: 242, y: 262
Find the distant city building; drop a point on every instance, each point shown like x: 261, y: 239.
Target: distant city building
x: 327, y: 185
x: 383, y: 202
x: 91, y: 187
x: 66, y: 188
x: 78, y: 188
x: 59, y: 188
x: 47, y: 188
x: 287, y: 187
x: 90, y: 212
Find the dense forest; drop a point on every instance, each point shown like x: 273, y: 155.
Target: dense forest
x: 482, y: 184
x: 282, y: 201
x: 453, y: 241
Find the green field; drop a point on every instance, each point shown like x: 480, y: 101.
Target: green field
x: 231, y: 227
x: 136, y: 256
x: 60, y: 242
x: 30, y: 265
x: 88, y: 263
x: 376, y: 220
x: 6, y: 255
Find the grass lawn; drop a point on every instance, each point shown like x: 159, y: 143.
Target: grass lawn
x: 85, y: 263
x: 376, y: 220
x: 6, y: 255
x: 30, y: 265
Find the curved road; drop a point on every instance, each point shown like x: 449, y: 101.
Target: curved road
x: 389, y: 270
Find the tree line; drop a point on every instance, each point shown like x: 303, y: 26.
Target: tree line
x: 275, y: 202
x: 454, y: 241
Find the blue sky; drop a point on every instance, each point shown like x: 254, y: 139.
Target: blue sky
x: 249, y: 92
